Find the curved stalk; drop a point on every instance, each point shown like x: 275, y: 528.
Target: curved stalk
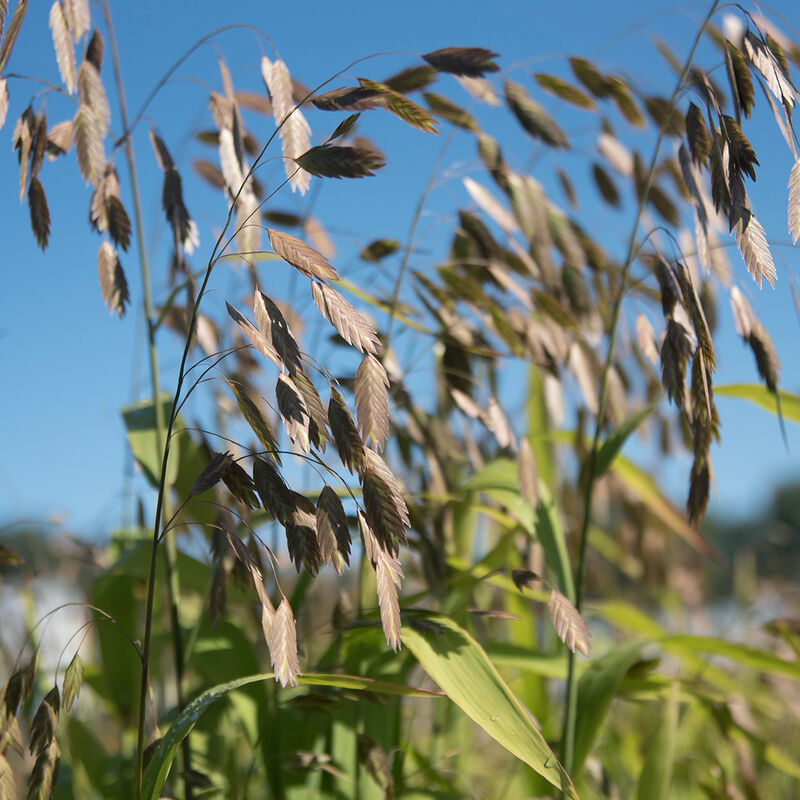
x: 567, y: 750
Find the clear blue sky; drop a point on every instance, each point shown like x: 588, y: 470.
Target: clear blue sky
x: 68, y: 367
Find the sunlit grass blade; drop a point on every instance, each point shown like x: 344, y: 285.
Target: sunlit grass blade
x: 461, y: 668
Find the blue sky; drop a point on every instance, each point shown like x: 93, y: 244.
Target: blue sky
x: 68, y: 367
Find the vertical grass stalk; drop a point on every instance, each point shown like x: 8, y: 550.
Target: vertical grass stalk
x: 567, y: 751
x: 170, y: 552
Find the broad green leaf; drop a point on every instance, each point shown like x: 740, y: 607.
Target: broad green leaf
x: 140, y: 422
x: 646, y: 489
x: 761, y: 396
x: 656, y: 776
x: 596, y: 690
x: 462, y: 669
x: 617, y: 438
x: 159, y: 766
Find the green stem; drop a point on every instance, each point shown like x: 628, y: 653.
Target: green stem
x: 570, y: 717
x: 173, y: 585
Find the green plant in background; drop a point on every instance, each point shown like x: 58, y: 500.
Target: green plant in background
x: 492, y: 519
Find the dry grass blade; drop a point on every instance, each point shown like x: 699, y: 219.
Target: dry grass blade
x: 448, y: 110
x: 349, y: 98
x: 345, y: 435
x: 402, y: 107
x: 14, y: 24
x: 113, y: 284
x: 372, y: 401
x: 352, y: 326
x: 273, y: 327
x: 580, y: 367
x: 566, y: 91
x: 533, y: 117
x: 65, y: 51
x: 255, y: 337
x: 161, y: 151
x: 765, y: 355
x: 318, y: 424
x: 335, y: 161
x: 92, y: 94
x: 59, y: 137
x: 45, y: 721
x: 388, y: 576
x: 88, y: 133
x: 472, y: 62
x: 752, y: 243
x: 212, y: 474
x: 528, y: 473
x: 294, y: 412
x: 698, y: 135
x: 764, y: 61
x: 43, y: 777
x: 40, y: 213
x: 490, y: 206
x: 480, y: 89
x: 615, y: 153
x: 743, y: 317
x: 295, y: 132
x: 73, y: 680
x: 240, y: 485
x: 76, y: 12
x: 301, y: 256
x: 598, y: 84
x: 794, y: 201
x: 333, y: 533
x: 3, y: 101
x: 646, y: 339
x: 569, y: 624
x: 209, y: 172
x: 498, y: 425
x: 283, y: 645
x: 276, y: 497
x: 315, y: 231
x: 387, y: 513
x: 256, y: 420
x: 411, y: 79
x: 301, y: 535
